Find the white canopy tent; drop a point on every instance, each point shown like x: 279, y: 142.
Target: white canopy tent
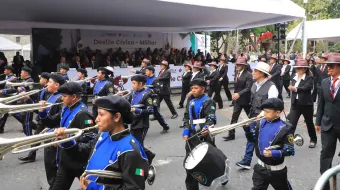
x: 26, y: 47
x: 146, y: 15
x: 8, y: 45
x: 326, y: 30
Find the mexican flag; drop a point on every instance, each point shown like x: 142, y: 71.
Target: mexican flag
x: 139, y: 172
x: 88, y: 122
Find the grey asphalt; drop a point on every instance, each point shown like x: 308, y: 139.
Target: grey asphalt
x: 303, y: 168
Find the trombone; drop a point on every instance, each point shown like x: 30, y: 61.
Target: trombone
x: 117, y: 175
x: 15, y: 98
x: 16, y: 84
x: 12, y: 109
x: 17, y: 145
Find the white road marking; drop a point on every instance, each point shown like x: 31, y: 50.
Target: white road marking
x: 161, y: 162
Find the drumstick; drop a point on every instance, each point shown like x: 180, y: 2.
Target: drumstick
x: 190, y: 150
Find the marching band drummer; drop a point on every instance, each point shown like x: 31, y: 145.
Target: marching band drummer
x: 82, y: 74
x: 272, y: 131
x: 102, y: 87
x: 140, y: 124
x: 74, y: 114
x: 10, y: 76
x: 114, y: 150
x: 199, y: 115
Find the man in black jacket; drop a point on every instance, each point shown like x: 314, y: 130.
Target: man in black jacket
x: 70, y: 166
x: 275, y: 73
x: 164, y: 78
x: 212, y: 81
x: 285, y: 74
x: 186, y: 77
x: 223, y: 78
x: 321, y: 71
x: 241, y: 96
x: 18, y: 63
x: 328, y: 111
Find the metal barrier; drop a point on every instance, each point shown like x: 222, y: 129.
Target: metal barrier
x: 326, y: 176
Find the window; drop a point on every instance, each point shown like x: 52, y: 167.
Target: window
x: 17, y: 39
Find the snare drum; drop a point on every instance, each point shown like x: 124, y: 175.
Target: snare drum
x: 206, y: 163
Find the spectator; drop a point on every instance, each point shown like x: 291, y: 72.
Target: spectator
x: 62, y: 63
x: 18, y: 63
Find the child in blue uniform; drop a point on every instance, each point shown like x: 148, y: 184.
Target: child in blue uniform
x: 272, y: 131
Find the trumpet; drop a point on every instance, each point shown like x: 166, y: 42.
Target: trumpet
x: 117, y: 175
x: 16, y: 84
x: 15, y: 98
x: 17, y: 145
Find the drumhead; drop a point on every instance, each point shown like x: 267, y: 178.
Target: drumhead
x: 196, y: 156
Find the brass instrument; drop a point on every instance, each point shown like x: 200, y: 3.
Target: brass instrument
x: 15, y: 98
x: 84, y: 80
x: 16, y: 84
x: 24, y: 108
x: 117, y: 175
x: 17, y: 145
x: 128, y: 76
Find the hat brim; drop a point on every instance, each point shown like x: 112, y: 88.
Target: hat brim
x: 273, y: 58
x: 163, y: 64
x: 263, y: 71
x: 287, y: 60
x: 189, y: 65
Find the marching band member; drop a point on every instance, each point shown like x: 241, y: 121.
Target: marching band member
x: 27, y: 117
x: 140, y: 124
x: 164, y: 78
x: 150, y: 78
x: 102, y: 87
x: 74, y: 114
x: 212, y: 81
x: 261, y: 90
x: 50, y: 153
x: 271, y: 168
x: 241, y: 96
x: 199, y: 115
x: 144, y: 64
x: 114, y: 150
x: 302, y: 99
x: 10, y: 76
x: 63, y: 71
x: 328, y: 111
x: 82, y: 74
x: 185, y: 84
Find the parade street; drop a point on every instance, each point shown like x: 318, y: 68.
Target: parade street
x: 303, y: 168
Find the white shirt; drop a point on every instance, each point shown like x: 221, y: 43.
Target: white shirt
x: 298, y: 82
x: 220, y: 66
x: 211, y: 71
x: 239, y: 74
x: 194, y: 74
x: 283, y: 69
x: 272, y: 92
x: 336, y: 84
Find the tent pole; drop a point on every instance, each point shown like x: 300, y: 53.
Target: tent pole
x: 291, y: 47
x: 304, y: 39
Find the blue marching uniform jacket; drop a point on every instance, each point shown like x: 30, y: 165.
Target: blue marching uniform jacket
x: 65, y: 76
x: 9, y: 90
x: 141, y: 119
x: 276, y: 132
x: 149, y: 81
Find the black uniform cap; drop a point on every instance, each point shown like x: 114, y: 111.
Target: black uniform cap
x: 115, y: 104
x: 139, y: 78
x: 65, y: 67
x: 26, y: 69
x: 57, y: 78
x: 70, y: 88
x: 9, y: 67
x: 199, y: 82
x: 83, y: 71
x: 45, y: 75
x: 105, y: 70
x: 150, y: 68
x: 273, y: 104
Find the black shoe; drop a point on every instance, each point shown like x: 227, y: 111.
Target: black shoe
x: 288, y: 97
x: 231, y: 105
x: 180, y: 107
x: 152, y: 118
x: 182, y: 126
x: 174, y: 116
x: 312, y: 144
x: 30, y: 158
x: 151, y: 156
x: 220, y: 108
x: 165, y: 130
x: 229, y: 138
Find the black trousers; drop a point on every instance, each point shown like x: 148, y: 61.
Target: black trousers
x: 328, y: 140
x: 307, y: 111
x: 65, y: 177
x: 168, y: 102
x: 226, y: 89
x: 262, y: 177
x: 140, y: 135
x: 286, y: 85
x: 217, y: 98
x: 279, y: 89
x: 159, y: 117
x: 50, y: 162
x: 236, y: 114
x: 184, y: 93
x: 26, y: 120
